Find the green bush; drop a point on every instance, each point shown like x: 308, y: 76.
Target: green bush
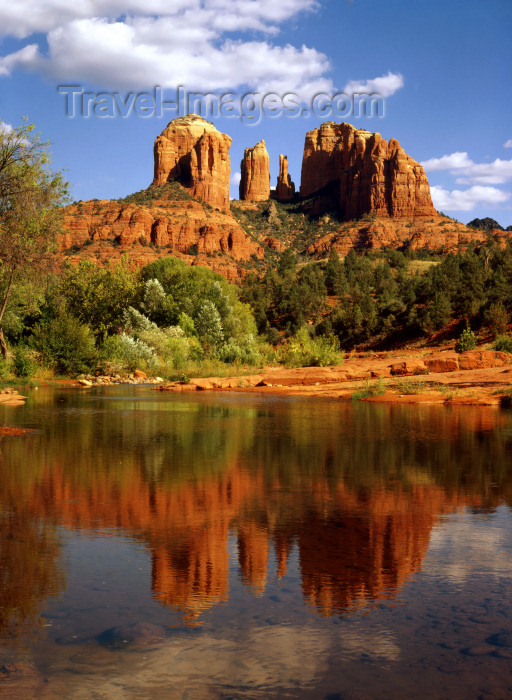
x: 129, y: 352
x: 304, y: 351
x: 368, y: 389
x: 5, y: 369
x: 23, y: 363
x: 65, y: 344
x: 242, y: 352
x: 467, y: 341
x: 503, y: 343
x: 409, y: 386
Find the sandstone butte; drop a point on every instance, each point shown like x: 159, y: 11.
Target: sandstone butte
x: 379, y: 195
x: 255, y: 174
x: 193, y: 152
x: 285, y: 189
x: 362, y: 173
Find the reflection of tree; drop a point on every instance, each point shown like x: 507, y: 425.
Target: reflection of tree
x: 356, y: 489
x: 29, y: 572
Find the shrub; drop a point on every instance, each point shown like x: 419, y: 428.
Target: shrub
x: 65, y: 344
x: 467, y: 341
x: 132, y: 353
x: 368, y: 389
x: 244, y: 351
x: 5, y: 369
x: 134, y: 321
x: 304, y: 351
x: 498, y: 317
x: 503, y: 343
x: 23, y: 363
x: 409, y: 386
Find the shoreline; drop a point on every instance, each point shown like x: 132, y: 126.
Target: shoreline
x: 470, y: 378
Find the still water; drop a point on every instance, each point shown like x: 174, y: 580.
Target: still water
x: 239, y: 546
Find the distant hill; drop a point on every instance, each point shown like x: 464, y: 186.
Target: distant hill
x: 487, y: 224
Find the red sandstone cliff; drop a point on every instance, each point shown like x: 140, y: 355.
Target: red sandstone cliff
x: 192, y: 151
x: 255, y: 172
x: 361, y: 173
x: 183, y: 228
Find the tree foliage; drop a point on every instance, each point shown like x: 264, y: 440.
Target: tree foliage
x: 30, y: 195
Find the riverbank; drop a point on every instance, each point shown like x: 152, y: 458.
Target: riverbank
x: 480, y: 377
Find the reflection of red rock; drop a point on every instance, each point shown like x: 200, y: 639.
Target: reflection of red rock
x: 354, y: 544
x: 253, y: 556
x: 191, y: 573
x: 348, y: 559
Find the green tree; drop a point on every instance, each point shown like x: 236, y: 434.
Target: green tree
x: 99, y: 296
x: 30, y: 195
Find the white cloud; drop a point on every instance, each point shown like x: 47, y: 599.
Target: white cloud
x: 235, y: 178
x: 508, y: 144
x: 385, y: 85
x: 25, y: 17
x: 468, y: 172
x: 466, y: 200
x: 134, y: 44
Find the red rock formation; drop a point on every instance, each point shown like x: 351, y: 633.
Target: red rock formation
x: 435, y: 233
x: 180, y: 227
x: 255, y: 182
x: 192, y: 151
x: 358, y: 173
x: 285, y: 189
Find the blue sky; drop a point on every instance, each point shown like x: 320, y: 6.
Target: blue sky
x: 442, y: 67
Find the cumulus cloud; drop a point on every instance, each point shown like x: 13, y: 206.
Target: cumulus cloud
x: 385, y: 85
x: 466, y: 200
x: 468, y: 172
x: 133, y: 44
x: 25, y: 17
x: 508, y: 144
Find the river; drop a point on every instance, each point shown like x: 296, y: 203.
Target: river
x: 211, y: 545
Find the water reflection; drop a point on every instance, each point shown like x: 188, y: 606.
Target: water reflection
x: 355, y: 490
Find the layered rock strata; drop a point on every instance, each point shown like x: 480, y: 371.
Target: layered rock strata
x: 193, y: 152
x: 255, y: 174
x: 285, y: 189
x: 357, y: 172
x: 163, y: 227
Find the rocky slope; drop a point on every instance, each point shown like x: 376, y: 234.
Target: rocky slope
x: 158, y: 222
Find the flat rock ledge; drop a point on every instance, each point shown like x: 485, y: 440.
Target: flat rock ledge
x: 332, y: 381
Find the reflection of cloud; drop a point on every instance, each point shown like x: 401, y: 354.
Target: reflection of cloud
x: 375, y: 643
x: 265, y: 660
x: 471, y: 547
x: 270, y: 660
